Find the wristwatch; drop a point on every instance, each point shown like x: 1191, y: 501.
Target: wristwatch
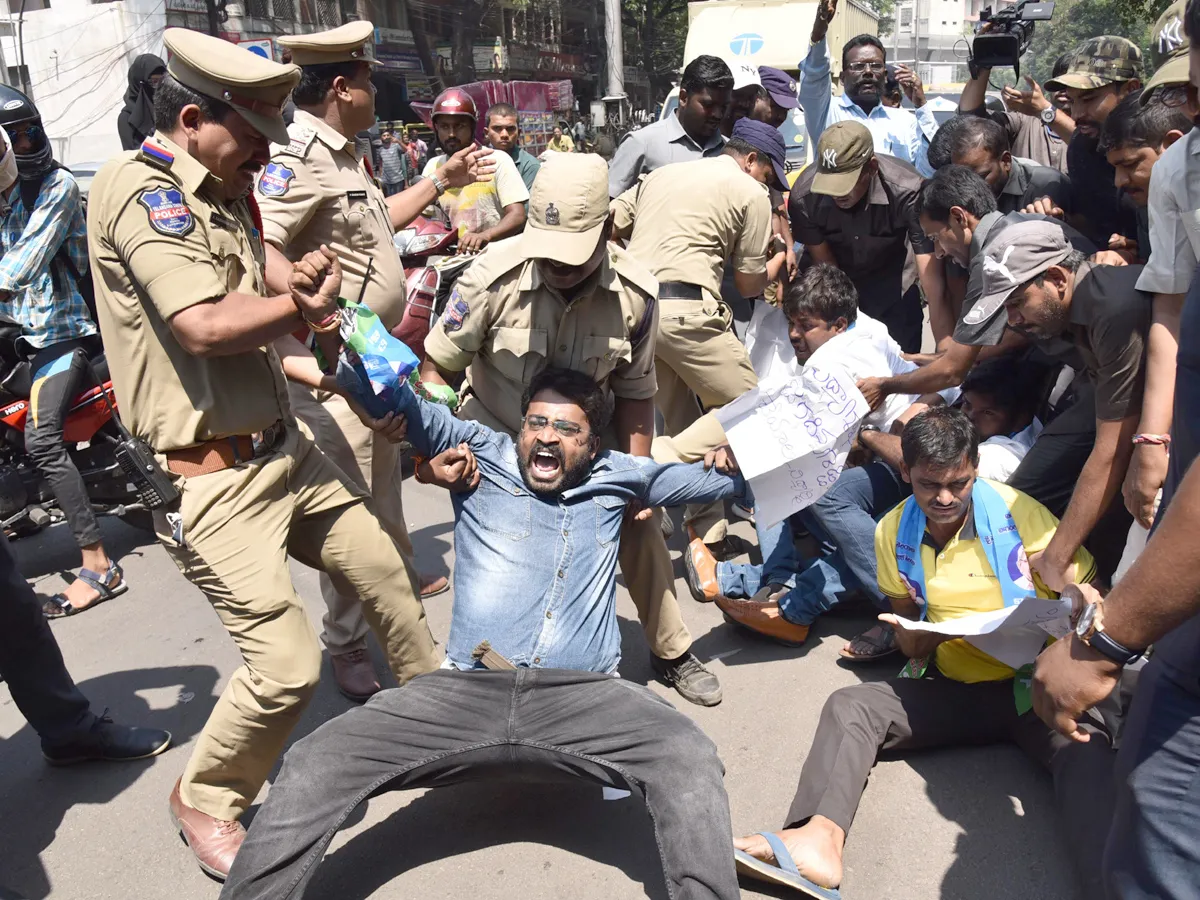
x: 1090, y: 630
x: 1047, y: 115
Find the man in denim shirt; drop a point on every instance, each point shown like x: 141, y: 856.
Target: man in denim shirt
x: 536, y: 579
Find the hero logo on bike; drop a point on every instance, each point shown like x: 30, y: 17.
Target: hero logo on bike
x: 167, y: 212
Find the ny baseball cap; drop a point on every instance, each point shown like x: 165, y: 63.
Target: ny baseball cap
x: 780, y: 85
x: 767, y: 141
x: 842, y: 151
x: 568, y: 206
x: 1169, y: 48
x: 1102, y: 60
x: 1014, y: 255
x: 744, y: 74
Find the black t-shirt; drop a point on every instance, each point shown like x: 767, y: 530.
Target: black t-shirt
x: 1098, y: 209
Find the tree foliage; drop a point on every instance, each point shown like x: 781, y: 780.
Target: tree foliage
x: 655, y: 32
x: 1077, y: 20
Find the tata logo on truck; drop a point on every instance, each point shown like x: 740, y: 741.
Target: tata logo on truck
x: 746, y: 44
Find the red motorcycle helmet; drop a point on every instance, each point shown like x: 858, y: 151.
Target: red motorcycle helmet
x: 455, y: 102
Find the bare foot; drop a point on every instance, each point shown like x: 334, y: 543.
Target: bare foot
x: 816, y: 849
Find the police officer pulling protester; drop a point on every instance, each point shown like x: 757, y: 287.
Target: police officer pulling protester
x: 855, y: 209
x: 685, y: 236
x: 485, y: 211
x: 694, y: 131
x: 562, y: 296
x: 315, y: 192
x: 45, y: 287
x: 189, y: 326
x: 896, y: 132
x: 1100, y: 73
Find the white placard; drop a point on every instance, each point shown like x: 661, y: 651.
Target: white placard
x: 1014, y: 635
x: 791, y: 438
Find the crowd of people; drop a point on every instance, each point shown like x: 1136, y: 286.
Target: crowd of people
x: 1040, y: 445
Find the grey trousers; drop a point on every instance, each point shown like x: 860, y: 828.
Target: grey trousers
x: 448, y: 727
x: 858, y: 722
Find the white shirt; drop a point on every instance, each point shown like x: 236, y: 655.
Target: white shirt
x: 999, y: 456
x: 1174, y: 208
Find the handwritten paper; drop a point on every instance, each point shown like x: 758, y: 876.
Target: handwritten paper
x: 1014, y: 635
x: 791, y: 438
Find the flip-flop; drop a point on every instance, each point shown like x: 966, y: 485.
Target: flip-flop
x: 885, y: 647
x: 59, y: 606
x: 786, y: 873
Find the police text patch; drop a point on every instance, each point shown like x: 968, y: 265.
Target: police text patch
x: 167, y: 211
x: 275, y: 180
x: 456, y: 312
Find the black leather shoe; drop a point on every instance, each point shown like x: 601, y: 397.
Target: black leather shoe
x: 688, y: 676
x: 106, y: 740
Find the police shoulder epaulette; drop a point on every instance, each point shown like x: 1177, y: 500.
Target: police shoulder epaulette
x: 157, y: 156
x: 301, y: 139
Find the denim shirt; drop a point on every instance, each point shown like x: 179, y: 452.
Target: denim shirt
x: 901, y: 133
x: 536, y: 576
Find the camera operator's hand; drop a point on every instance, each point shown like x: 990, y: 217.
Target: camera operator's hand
x: 910, y: 83
x: 1030, y: 102
x: 825, y: 12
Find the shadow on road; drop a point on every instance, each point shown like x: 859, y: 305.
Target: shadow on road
x: 53, y: 551
x: 35, y: 797
x: 451, y: 821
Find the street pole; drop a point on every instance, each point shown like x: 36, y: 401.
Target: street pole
x: 214, y: 18
x: 616, y: 56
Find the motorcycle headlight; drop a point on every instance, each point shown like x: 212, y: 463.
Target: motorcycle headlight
x: 423, y: 244
x: 402, y: 238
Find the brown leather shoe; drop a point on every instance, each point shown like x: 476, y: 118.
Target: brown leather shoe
x: 215, y: 842
x: 354, y: 674
x: 764, y: 619
x: 432, y: 585
x: 701, y: 569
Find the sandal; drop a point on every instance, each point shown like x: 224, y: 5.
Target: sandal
x: 110, y: 584
x: 785, y: 873
x: 880, y: 638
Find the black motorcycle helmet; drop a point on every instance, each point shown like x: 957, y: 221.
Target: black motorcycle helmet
x: 17, y: 111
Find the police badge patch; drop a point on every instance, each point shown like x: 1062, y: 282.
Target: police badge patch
x: 456, y: 312
x: 167, y: 212
x: 275, y: 180
x: 552, y: 216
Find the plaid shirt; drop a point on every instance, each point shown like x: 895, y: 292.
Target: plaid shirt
x: 29, y: 243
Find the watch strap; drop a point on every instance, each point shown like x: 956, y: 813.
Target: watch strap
x: 1117, y: 652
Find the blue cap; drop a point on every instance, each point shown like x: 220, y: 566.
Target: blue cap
x: 767, y: 141
x: 780, y: 85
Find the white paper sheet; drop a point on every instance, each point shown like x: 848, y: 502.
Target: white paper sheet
x: 1014, y: 635
x: 791, y: 438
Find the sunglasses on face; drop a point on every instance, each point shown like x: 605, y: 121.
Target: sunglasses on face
x: 562, y: 427
x: 32, y: 132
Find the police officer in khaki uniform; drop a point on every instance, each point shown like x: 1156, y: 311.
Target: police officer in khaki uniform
x: 188, y: 326
x: 527, y: 304
x: 684, y: 221
x: 316, y: 191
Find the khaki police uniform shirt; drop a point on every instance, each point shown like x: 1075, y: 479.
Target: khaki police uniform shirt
x: 689, y: 218
x: 503, y: 324
x: 316, y: 191
x: 161, y: 240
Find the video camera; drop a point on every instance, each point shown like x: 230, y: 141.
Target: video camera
x: 1008, y: 37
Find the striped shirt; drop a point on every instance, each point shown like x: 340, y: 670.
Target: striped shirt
x: 30, y: 241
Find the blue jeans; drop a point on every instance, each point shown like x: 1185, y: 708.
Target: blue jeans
x: 843, y: 521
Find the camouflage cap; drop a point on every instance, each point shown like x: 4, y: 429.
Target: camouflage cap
x: 1168, y: 50
x: 1099, y: 61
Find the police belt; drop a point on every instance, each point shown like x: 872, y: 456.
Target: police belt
x: 224, y: 453
x: 679, y: 290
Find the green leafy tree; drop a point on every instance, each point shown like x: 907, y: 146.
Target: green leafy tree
x: 655, y: 32
x: 1077, y: 20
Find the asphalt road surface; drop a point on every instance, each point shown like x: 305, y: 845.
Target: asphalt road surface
x: 955, y: 824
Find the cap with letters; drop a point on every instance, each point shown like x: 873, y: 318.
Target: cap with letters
x: 744, y: 74
x: 842, y: 151
x: 1013, y: 256
x: 780, y: 85
x: 352, y: 42
x: 1099, y: 61
x: 255, y: 87
x: 568, y: 207
x: 1169, y: 48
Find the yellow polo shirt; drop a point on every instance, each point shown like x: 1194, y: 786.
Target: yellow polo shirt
x: 959, y: 580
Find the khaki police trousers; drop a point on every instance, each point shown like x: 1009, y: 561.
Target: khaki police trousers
x: 372, y: 463
x: 698, y: 357
x: 643, y: 555
x: 239, y: 527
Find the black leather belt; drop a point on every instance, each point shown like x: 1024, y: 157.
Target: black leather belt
x: 679, y: 290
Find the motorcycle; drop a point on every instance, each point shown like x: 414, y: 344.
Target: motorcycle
x: 27, y: 505
x: 427, y: 251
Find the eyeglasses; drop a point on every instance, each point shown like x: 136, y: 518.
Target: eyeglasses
x: 859, y: 67
x: 33, y: 132
x: 562, y: 427
x: 1172, y: 96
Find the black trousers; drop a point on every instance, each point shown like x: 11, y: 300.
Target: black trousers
x: 49, y: 402
x: 31, y: 662
x: 918, y: 714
